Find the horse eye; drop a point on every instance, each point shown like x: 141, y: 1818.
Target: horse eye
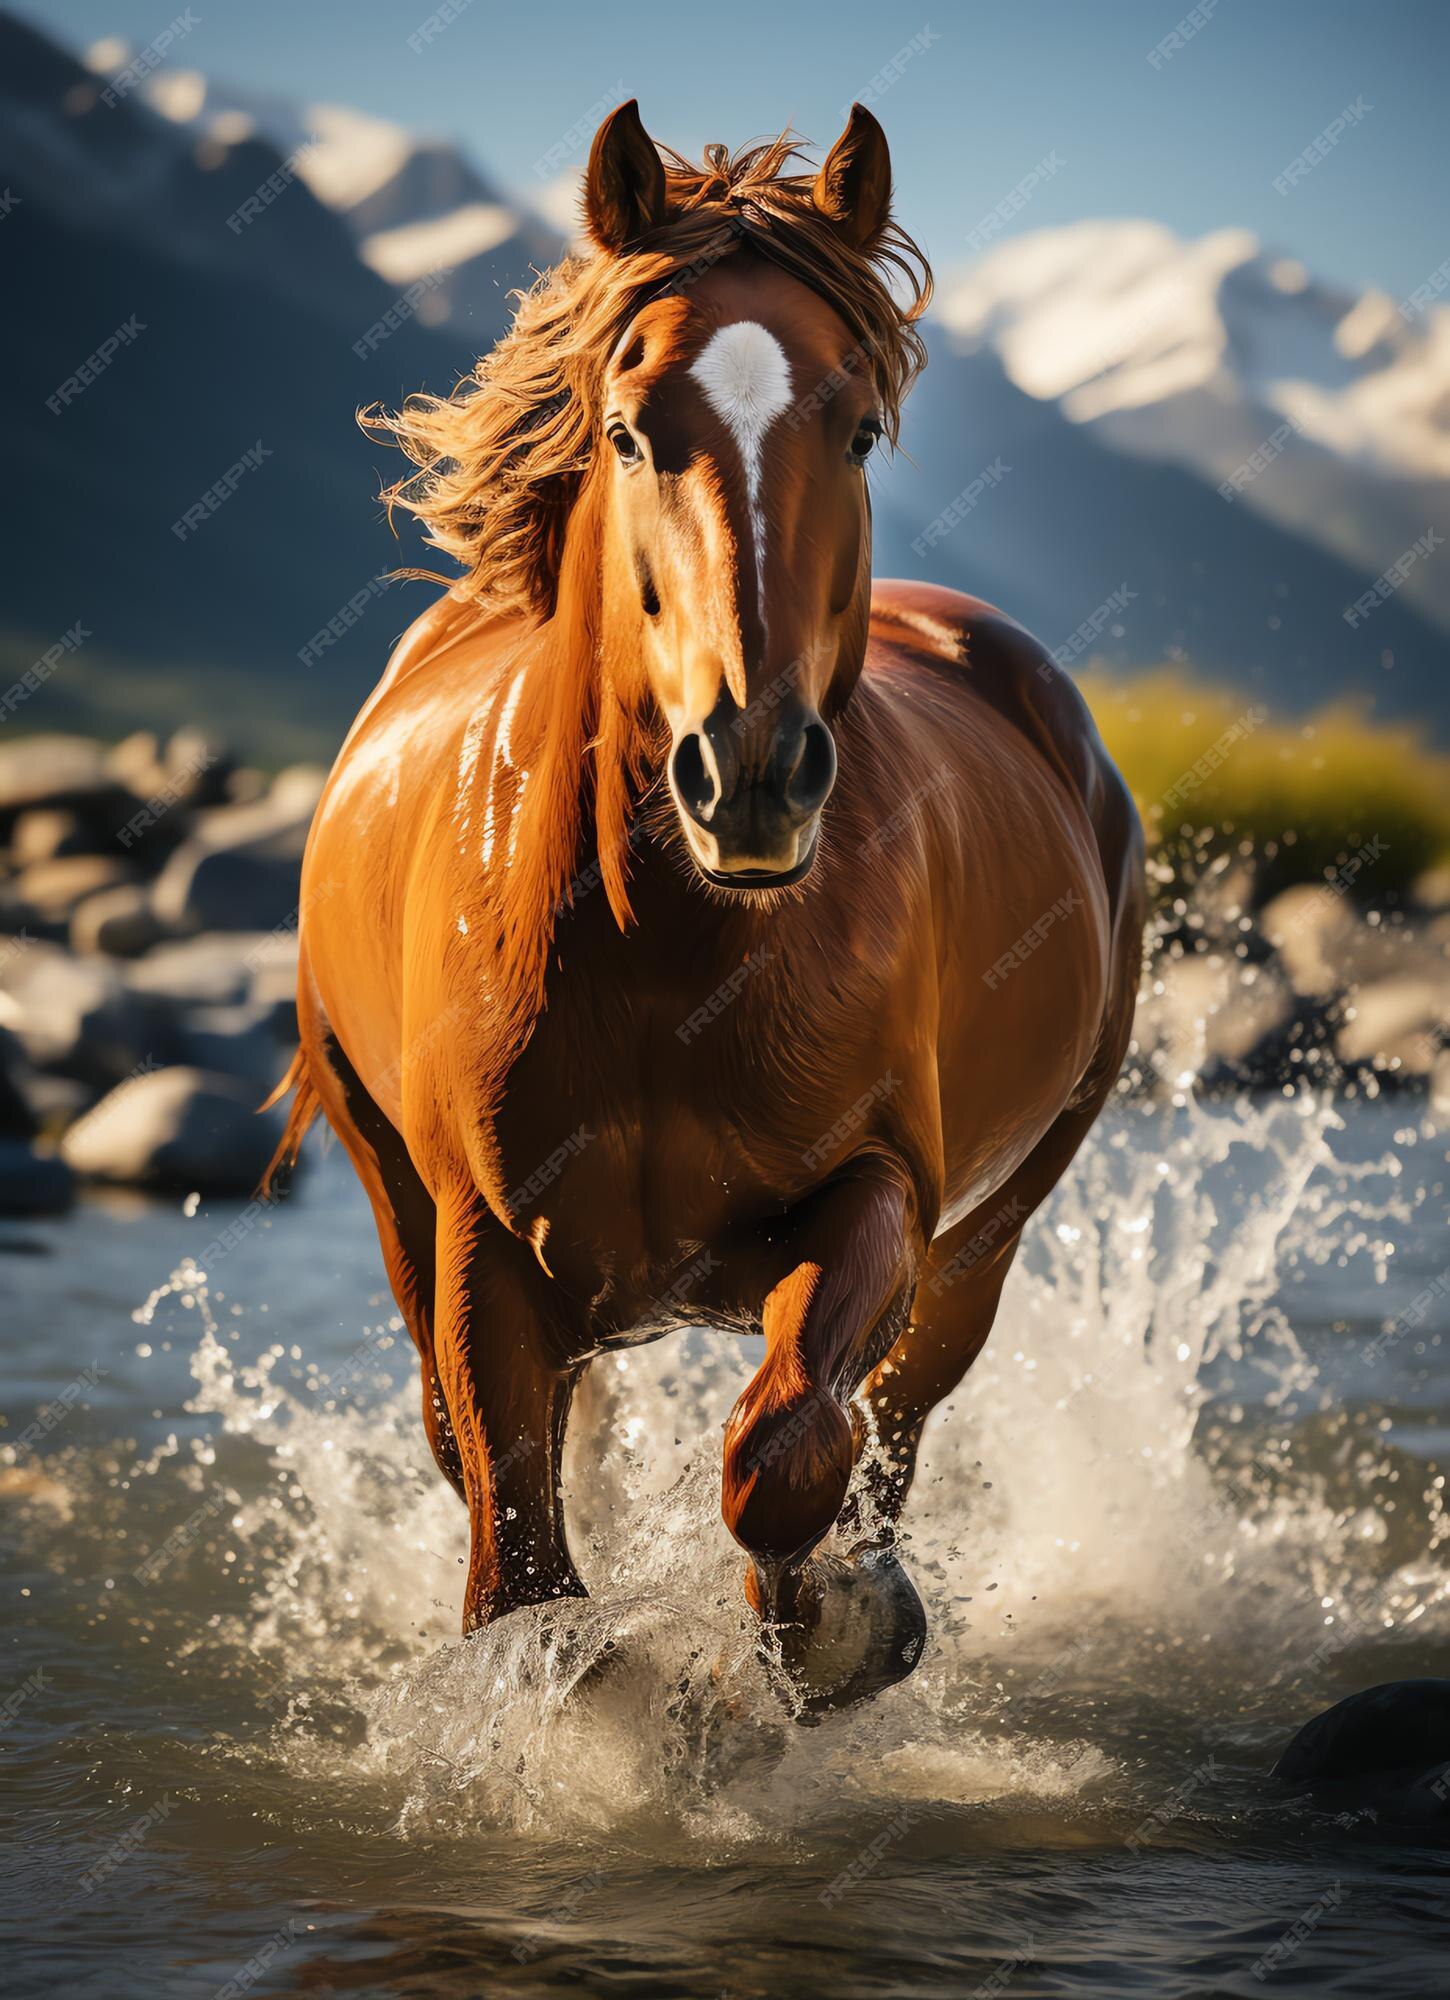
x: 867, y: 433
x: 625, y: 445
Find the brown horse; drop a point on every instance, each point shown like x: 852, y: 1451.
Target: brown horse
x: 689, y: 931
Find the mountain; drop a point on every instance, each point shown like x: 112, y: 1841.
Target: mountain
x: 1198, y: 353
x: 214, y: 281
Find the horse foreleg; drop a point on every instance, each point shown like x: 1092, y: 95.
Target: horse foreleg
x: 507, y: 1387
x: 848, y: 1257
x: 955, y: 1307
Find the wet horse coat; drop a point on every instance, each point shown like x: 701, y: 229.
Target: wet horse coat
x: 718, y: 936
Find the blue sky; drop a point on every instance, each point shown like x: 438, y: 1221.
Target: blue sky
x: 982, y: 94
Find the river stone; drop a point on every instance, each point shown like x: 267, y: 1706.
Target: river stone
x: 17, y: 1113
x: 54, y: 888
x: 176, y: 1128
x: 32, y: 1182
x: 1400, y: 1020
x: 74, y: 1014
x: 46, y: 833
x: 234, y: 1041
x: 118, y: 921
x: 239, y: 870
x: 1391, y: 1741
x: 61, y: 773
x: 214, y: 970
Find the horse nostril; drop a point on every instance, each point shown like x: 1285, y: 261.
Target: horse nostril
x: 809, y: 785
x: 694, y: 785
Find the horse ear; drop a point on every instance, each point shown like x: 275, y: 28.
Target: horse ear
x: 624, y: 188
x: 853, y: 188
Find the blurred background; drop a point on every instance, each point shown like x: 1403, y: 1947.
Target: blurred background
x: 1188, y: 418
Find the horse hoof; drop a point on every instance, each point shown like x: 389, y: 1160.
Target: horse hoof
x: 858, y: 1628
x: 1389, y: 1744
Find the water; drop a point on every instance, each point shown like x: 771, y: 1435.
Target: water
x: 1182, y: 1502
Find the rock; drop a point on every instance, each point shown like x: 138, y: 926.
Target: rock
x: 33, y: 1182
x: 1432, y: 889
x: 135, y: 762
x: 234, y: 1041
x: 216, y: 969
x: 240, y: 870
x: 119, y: 921
x: 45, y: 833
x: 197, y: 767
x: 176, y: 1128
x: 1216, y: 1016
x: 298, y: 788
x: 246, y: 785
x: 53, y: 889
x: 1399, y: 1022
x: 17, y: 1114
x: 62, y: 773
x: 1391, y: 1742
x: 73, y: 1015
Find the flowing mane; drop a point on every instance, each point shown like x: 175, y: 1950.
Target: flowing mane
x: 501, y: 461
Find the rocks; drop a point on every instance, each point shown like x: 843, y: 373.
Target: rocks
x: 120, y: 922
x: 1399, y: 1022
x: 215, y: 970
x: 1389, y: 1745
x: 178, y: 1128
x: 51, y: 890
x: 33, y: 1182
x: 60, y: 773
x: 240, y: 870
x: 72, y: 1015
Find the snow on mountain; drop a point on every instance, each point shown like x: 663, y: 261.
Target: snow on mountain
x: 1199, y: 353
x: 415, y: 207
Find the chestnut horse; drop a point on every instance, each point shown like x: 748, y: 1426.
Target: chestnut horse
x: 690, y: 931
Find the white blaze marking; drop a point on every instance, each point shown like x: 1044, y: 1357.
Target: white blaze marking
x: 746, y: 379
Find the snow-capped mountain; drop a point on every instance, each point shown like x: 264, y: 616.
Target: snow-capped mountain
x: 1092, y: 393
x: 1325, y: 410
x: 415, y: 208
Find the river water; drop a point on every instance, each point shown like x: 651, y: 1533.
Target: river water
x: 1189, y: 1495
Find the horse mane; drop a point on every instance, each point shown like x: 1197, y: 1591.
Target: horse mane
x: 502, y: 468
x: 501, y: 460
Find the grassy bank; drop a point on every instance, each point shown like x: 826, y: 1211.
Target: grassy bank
x: 1211, y: 770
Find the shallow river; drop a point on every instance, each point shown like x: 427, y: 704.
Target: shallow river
x: 1189, y: 1495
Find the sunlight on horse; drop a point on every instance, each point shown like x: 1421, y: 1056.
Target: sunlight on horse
x: 688, y: 930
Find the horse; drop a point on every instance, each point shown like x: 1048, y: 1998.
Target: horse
x: 692, y: 931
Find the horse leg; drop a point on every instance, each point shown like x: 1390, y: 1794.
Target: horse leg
x: 403, y: 1213
x: 849, y: 1256
x: 506, y: 1377
x: 954, y: 1310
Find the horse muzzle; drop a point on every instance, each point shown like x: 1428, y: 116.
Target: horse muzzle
x: 750, y: 800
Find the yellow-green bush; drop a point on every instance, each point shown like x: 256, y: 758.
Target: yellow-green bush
x: 1211, y: 768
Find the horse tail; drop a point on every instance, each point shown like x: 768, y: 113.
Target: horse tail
x: 305, y: 1106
